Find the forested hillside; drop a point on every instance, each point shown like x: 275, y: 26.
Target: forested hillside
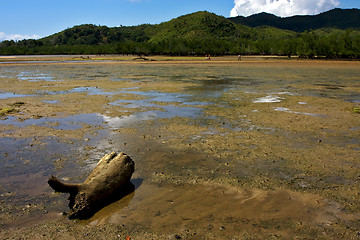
x: 336, y: 18
x: 196, y: 34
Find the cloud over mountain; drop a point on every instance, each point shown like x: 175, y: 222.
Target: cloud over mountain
x: 16, y: 37
x: 283, y: 8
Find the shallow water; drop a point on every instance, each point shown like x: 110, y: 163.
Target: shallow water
x: 181, y: 124
x: 5, y: 95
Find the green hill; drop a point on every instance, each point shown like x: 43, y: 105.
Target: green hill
x: 336, y: 18
x: 196, y: 25
x: 200, y: 33
x: 96, y: 35
x: 197, y: 33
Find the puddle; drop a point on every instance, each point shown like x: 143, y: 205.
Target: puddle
x: 268, y: 99
x: 6, y: 95
x: 31, y: 156
x: 167, y: 112
x: 330, y: 86
x: 67, y: 123
x: 88, y: 90
x: 286, y: 93
x: 35, y: 77
x: 154, y: 97
x: 355, y: 128
x: 283, y: 109
x: 51, y: 101
x: 75, y: 122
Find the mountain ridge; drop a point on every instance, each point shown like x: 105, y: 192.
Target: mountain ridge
x: 335, y: 18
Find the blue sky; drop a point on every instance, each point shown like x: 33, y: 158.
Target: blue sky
x: 39, y: 18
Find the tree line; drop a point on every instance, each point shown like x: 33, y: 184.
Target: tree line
x: 194, y: 34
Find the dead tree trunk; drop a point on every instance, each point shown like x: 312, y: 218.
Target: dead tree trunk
x: 112, y: 174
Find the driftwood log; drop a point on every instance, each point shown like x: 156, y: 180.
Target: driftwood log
x: 111, y: 175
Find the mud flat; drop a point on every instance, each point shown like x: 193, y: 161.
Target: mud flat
x: 263, y: 148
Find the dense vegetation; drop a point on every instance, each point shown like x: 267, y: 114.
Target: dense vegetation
x: 336, y: 18
x: 193, y: 34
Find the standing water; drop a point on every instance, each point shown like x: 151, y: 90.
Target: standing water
x: 247, y: 149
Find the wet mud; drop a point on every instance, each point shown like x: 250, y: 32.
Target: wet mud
x: 265, y: 149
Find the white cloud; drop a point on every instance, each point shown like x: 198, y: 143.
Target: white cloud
x: 283, y: 8
x: 16, y: 37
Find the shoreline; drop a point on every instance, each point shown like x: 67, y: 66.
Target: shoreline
x: 158, y: 58
x: 255, y: 61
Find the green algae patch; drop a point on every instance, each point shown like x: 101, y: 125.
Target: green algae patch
x: 6, y: 110
x: 356, y: 110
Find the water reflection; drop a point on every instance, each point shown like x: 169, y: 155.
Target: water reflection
x: 169, y: 111
x: 73, y: 122
x: 35, y: 77
x: 153, y: 98
x: 22, y: 156
x: 283, y: 109
x: 88, y: 90
x: 5, y: 95
x: 268, y: 99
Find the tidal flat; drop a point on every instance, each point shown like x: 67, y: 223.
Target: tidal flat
x: 263, y: 148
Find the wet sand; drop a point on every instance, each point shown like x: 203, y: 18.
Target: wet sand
x: 264, y: 148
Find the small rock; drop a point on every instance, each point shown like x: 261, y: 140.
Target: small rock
x: 175, y: 236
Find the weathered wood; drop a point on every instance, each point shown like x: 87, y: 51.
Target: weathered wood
x: 143, y: 58
x: 112, y: 174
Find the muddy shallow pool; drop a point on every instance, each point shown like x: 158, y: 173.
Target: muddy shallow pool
x: 247, y: 150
